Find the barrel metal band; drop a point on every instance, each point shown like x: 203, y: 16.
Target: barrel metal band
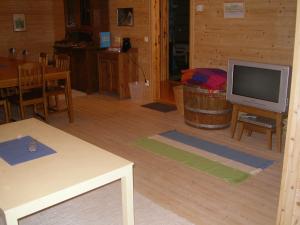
x: 205, y: 111
x: 209, y: 126
x: 194, y: 89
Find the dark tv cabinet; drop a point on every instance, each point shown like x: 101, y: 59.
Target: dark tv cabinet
x: 259, y: 112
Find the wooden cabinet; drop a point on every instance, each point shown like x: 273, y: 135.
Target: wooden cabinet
x: 77, y: 13
x: 71, y: 9
x: 116, y: 70
x: 83, y: 67
x: 84, y: 20
x: 90, y: 16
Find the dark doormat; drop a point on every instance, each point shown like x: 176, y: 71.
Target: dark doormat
x: 161, y: 107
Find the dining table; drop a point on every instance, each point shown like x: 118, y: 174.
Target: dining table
x: 9, y: 78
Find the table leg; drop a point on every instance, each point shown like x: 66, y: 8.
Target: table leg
x: 127, y: 198
x: 234, y: 119
x: 70, y: 102
x: 11, y: 221
x: 278, y: 131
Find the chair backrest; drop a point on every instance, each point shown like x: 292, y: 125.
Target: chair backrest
x: 25, y: 54
x: 62, y: 61
x: 12, y: 53
x: 43, y: 58
x: 31, y: 75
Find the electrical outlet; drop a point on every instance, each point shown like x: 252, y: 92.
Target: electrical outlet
x: 147, y: 83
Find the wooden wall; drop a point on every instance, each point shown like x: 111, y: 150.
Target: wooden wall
x: 44, y: 23
x: 136, y: 33
x: 265, y: 34
x: 289, y: 202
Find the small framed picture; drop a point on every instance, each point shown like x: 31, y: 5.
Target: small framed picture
x: 125, y: 16
x: 19, y: 22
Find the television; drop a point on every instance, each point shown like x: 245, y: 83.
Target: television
x: 259, y: 85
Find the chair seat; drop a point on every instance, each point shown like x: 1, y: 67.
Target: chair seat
x: 27, y: 96
x: 55, y: 90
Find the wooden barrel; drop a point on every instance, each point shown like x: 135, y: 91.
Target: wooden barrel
x: 205, y: 109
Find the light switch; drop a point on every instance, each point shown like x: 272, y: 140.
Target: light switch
x: 199, y: 8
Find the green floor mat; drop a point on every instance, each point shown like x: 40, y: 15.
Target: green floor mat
x: 193, y: 160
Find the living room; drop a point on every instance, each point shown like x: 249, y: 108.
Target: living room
x: 266, y: 33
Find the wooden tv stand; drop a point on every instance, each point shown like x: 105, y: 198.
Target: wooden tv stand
x: 259, y: 112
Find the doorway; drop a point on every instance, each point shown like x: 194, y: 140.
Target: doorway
x: 179, y: 16
x: 174, y: 45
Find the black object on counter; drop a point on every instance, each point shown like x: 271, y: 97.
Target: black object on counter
x: 126, y: 44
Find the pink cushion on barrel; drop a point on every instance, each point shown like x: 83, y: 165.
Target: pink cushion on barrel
x: 209, y: 78
x: 215, y: 82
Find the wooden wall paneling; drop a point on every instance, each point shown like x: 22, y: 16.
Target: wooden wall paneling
x: 289, y: 202
x: 100, y: 17
x: 192, y: 33
x: 155, y: 49
x: 164, y: 21
x: 43, y: 26
x: 58, y: 19
x: 136, y: 33
x: 265, y: 34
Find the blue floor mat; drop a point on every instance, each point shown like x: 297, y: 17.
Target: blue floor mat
x: 217, y: 149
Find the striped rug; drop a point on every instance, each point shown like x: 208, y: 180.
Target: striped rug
x: 218, y: 160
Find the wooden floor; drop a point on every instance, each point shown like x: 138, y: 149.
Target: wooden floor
x: 203, y: 199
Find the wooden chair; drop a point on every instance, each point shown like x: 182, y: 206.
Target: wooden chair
x: 62, y: 62
x: 31, y: 88
x: 5, y: 107
x: 43, y: 58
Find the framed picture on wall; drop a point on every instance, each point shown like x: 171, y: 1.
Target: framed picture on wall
x: 125, y: 16
x: 19, y: 22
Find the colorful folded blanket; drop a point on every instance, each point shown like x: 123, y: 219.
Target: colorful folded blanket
x: 209, y: 78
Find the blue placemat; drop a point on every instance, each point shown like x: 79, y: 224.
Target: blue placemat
x: 22, y: 150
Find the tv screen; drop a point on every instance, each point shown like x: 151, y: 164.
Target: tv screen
x: 258, y: 85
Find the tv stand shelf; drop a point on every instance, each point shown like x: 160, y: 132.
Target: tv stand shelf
x: 259, y: 112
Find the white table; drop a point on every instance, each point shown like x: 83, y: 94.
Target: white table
x: 76, y: 167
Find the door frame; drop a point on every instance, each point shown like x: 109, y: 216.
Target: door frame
x: 155, y: 59
x: 164, y: 50
x: 288, y: 207
x: 159, y: 30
